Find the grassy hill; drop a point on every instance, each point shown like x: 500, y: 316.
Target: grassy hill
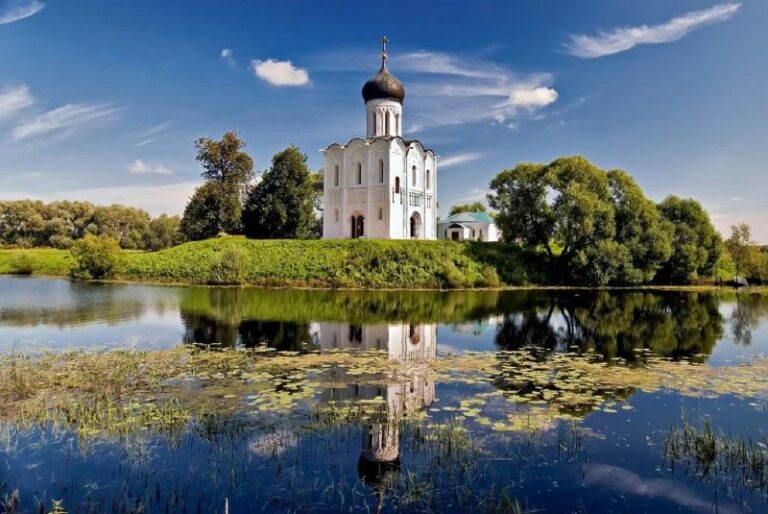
x: 337, y: 264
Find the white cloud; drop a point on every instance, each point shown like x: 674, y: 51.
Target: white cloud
x: 624, y: 38
x: 155, y: 199
x: 14, y: 100
x: 460, y: 158
x: 15, y: 10
x: 228, y: 56
x: 532, y: 98
x: 280, y: 73
x: 62, y: 120
x: 140, y: 167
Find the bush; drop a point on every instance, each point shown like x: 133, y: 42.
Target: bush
x: 96, y: 258
x: 23, y: 264
x: 489, y: 278
x: 230, y: 267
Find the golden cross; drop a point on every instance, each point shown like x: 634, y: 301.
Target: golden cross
x: 384, y: 42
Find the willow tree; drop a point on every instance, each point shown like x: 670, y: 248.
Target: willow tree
x: 595, y: 227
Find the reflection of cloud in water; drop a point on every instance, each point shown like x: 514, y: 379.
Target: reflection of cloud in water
x: 273, y: 444
x: 674, y: 491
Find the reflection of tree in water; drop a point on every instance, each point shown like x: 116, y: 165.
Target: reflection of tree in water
x: 750, y: 312
x: 617, y: 324
x: 281, y: 335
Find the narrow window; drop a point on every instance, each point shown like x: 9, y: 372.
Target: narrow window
x: 336, y: 214
x: 336, y: 176
x: 481, y: 234
x: 359, y: 173
x: 413, y: 174
x: 397, y: 124
x: 373, y: 130
x: 381, y: 171
x: 397, y: 185
x: 428, y: 179
x: 381, y: 213
x: 386, y: 123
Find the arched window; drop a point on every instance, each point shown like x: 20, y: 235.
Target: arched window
x: 428, y: 179
x: 386, y: 123
x: 397, y: 185
x: 359, y: 173
x: 397, y: 124
x: 413, y: 175
x: 381, y: 171
x: 381, y: 213
x: 336, y: 176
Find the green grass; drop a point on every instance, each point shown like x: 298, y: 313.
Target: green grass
x: 43, y: 261
x: 335, y: 264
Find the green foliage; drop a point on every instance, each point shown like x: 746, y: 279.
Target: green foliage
x: 596, y: 227
x: 28, y: 223
x: 44, y: 261
x: 282, y: 204
x: 23, y: 264
x: 213, y: 209
x: 740, y: 247
x: 468, y: 207
x: 217, y: 205
x: 230, y: 266
x: 96, y: 258
x: 696, y: 245
x: 164, y: 232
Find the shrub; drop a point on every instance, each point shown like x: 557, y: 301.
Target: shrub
x: 61, y: 242
x: 489, y: 277
x: 230, y: 267
x: 96, y: 257
x: 451, y: 275
x: 23, y: 264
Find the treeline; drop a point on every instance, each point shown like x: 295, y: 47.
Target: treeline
x: 32, y: 223
x: 588, y: 226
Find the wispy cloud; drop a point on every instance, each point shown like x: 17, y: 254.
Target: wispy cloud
x: 280, y: 73
x: 148, y: 136
x: 14, y: 100
x: 228, y: 56
x: 63, y: 120
x: 460, y: 158
x: 456, y: 89
x: 15, y: 10
x: 138, y: 167
x: 624, y: 38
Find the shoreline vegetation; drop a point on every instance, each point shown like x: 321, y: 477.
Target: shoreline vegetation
x: 317, y: 264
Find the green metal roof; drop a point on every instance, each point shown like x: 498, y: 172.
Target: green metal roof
x: 465, y: 217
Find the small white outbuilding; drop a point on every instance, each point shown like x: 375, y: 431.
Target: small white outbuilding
x: 468, y: 226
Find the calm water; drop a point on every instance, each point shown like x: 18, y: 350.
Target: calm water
x: 606, y: 455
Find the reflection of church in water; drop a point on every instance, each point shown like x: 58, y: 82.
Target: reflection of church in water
x: 405, y: 342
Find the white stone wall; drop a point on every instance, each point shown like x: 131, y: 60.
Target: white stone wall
x: 383, y: 118
x: 353, y: 186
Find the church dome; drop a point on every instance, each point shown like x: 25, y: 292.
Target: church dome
x: 383, y: 86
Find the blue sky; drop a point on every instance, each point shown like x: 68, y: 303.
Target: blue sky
x: 102, y: 100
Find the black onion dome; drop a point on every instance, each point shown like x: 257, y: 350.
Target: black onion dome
x: 384, y: 86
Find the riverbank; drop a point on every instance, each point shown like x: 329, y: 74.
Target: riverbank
x: 290, y: 263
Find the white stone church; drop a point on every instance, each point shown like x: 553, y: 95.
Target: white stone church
x: 381, y: 186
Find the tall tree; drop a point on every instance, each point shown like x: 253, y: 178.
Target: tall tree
x: 217, y: 205
x: 468, y: 207
x: 696, y: 245
x: 281, y: 205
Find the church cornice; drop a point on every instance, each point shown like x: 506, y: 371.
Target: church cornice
x: 371, y: 140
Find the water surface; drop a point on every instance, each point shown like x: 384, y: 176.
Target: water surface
x: 515, y: 430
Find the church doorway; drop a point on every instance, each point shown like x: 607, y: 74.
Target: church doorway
x: 415, y: 226
x: 357, y: 226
